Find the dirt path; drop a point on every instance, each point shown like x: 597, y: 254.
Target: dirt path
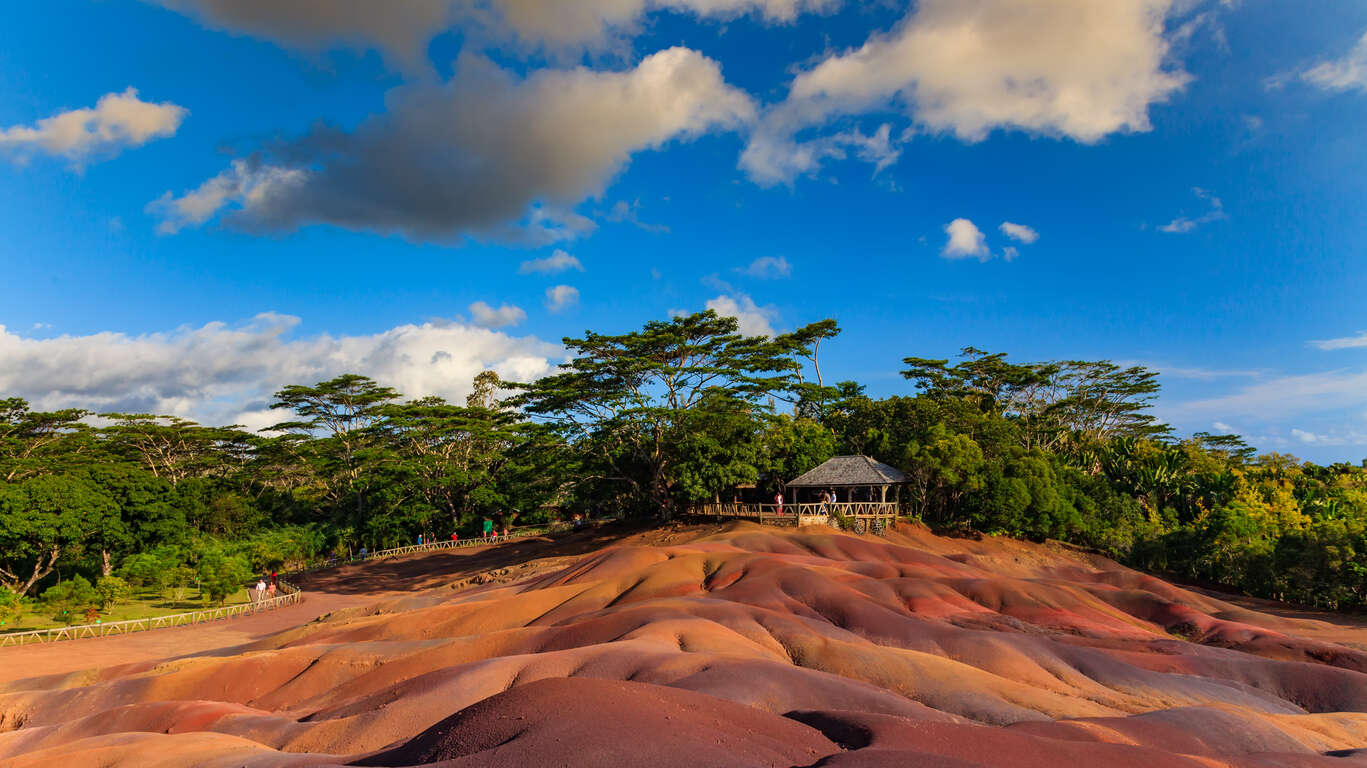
x: 324, y: 592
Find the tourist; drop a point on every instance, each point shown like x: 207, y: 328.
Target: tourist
x: 488, y: 528
x: 505, y: 531
x: 270, y: 588
x: 455, y: 537
x: 420, y: 539
x: 273, y: 578
x: 260, y: 589
x: 778, y: 499
x: 362, y: 551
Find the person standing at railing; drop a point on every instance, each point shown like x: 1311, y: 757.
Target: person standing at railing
x: 778, y: 499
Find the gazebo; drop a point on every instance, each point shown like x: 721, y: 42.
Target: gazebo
x: 860, y: 485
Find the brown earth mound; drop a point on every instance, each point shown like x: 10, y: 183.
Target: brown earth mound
x: 731, y: 646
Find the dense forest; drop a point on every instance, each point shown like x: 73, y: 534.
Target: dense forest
x: 647, y: 423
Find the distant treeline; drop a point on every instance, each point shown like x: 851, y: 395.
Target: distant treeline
x: 649, y: 422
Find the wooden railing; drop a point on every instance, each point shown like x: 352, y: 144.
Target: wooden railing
x: 291, y: 596
x: 432, y: 546
x: 765, y: 512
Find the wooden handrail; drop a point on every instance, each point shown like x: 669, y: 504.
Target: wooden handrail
x: 291, y: 596
x: 856, y: 509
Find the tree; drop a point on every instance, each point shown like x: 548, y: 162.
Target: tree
x: 625, y: 398
x: 221, y: 575
x: 44, y: 520
x: 111, y: 590
x: 337, y: 415
x: 29, y: 439
x: 69, y: 600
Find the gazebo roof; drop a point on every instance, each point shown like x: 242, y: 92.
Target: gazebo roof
x: 850, y: 470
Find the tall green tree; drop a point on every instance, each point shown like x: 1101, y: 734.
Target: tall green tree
x: 627, y: 398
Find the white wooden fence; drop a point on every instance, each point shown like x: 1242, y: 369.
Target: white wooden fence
x: 291, y: 596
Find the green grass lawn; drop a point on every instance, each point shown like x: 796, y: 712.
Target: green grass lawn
x: 141, y: 606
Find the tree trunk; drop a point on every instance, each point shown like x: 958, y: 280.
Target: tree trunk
x: 42, y: 566
x: 106, y: 567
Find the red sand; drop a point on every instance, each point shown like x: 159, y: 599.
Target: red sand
x: 701, y: 646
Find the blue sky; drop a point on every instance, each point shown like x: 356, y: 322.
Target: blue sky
x: 297, y: 188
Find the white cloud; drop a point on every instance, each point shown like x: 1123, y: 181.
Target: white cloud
x: 768, y: 268
x: 1325, y: 392
x: 1348, y: 73
x: 1019, y: 232
x: 1336, y: 438
x: 221, y: 374
x: 965, y: 241
x: 1305, y: 437
x: 1182, y: 225
x: 630, y: 213
x: 559, y: 261
x: 400, y: 30
x: 561, y: 297
x: 118, y: 121
x: 433, y: 169
x: 1346, y: 342
x: 505, y: 316
x: 242, y: 182
x: 560, y: 23
x: 1222, y: 428
x: 403, y: 30
x: 753, y: 319
x: 774, y: 157
x: 1079, y: 69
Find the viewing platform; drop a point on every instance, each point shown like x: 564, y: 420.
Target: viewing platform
x: 863, y: 516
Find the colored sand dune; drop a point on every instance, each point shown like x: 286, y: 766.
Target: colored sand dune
x: 729, y: 646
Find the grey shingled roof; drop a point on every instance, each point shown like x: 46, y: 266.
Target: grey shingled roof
x: 850, y: 470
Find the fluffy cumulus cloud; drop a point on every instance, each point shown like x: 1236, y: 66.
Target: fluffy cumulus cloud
x: 402, y: 30
x: 753, y: 319
x: 965, y: 241
x: 561, y: 297
x: 220, y: 374
x: 432, y: 169
x: 559, y: 261
x: 559, y: 23
x: 117, y: 122
x: 1079, y: 69
x: 504, y: 316
x: 1348, y: 73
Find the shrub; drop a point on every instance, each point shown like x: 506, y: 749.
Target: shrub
x: 11, y: 608
x: 112, y: 590
x: 221, y: 575
x: 70, y: 599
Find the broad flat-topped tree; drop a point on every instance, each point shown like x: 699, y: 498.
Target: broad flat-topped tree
x: 631, y: 398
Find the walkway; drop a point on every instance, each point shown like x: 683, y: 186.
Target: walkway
x: 324, y: 592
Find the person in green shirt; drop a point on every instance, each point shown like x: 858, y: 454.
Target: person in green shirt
x: 488, y: 528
